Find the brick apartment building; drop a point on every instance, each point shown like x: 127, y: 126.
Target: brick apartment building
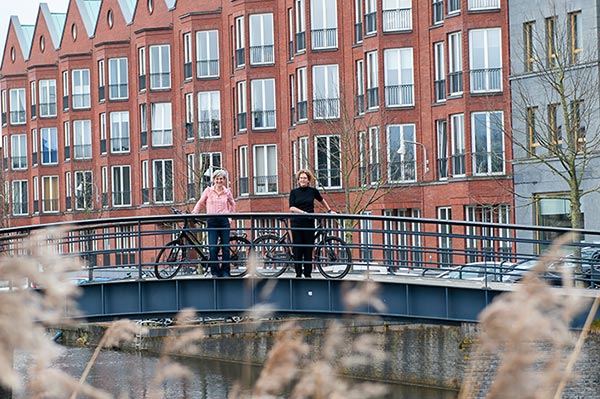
x: 120, y: 107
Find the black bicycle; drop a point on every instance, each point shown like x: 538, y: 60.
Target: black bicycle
x: 332, y: 254
x: 189, y: 254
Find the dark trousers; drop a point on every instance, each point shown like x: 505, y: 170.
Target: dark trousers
x: 304, y: 241
x: 219, y: 229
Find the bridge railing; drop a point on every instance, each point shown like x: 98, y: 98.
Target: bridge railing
x: 122, y: 248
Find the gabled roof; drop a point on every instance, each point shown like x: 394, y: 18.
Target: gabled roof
x: 55, y: 23
x: 24, y: 35
x: 128, y: 9
x: 89, y: 10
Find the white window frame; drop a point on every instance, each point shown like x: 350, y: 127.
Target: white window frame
x: 207, y: 54
x: 80, y: 81
x: 494, y: 139
x: 491, y: 78
x: 401, y: 153
x: 265, y: 169
x: 326, y: 91
x: 162, y: 178
x: 399, y: 77
x: 262, y: 40
x: 263, y: 97
x: 209, y: 114
x: 82, y: 139
x: 160, y: 67
x: 161, y: 124
x: 50, y: 194
x: 120, y: 137
x: 18, y: 151
x: 18, y: 113
x: 324, y: 25
x: 118, y: 76
x: 325, y: 147
x: 121, y: 185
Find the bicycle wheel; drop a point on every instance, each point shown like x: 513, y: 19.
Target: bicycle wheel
x: 272, y: 255
x: 170, y: 259
x: 333, y: 257
x: 239, y: 247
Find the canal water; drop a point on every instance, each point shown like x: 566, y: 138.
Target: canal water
x: 128, y: 374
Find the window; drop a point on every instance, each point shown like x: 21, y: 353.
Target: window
x: 372, y: 81
x: 555, y: 135
x: 453, y: 7
x: 49, y: 194
x: 532, y: 134
x: 553, y: 210
x: 455, y: 85
x: 479, y: 5
x: 528, y: 38
x: 142, y: 68
x: 575, y: 36
x: 209, y: 162
x: 146, y: 182
x: 328, y: 161
x: 187, y: 56
x: 240, y: 43
x: 65, y: 90
x: 121, y: 185
x: 119, y: 132
x: 84, y: 186
x: 207, y: 53
x: 578, y: 130
x: 399, y: 84
x: 323, y: 19
x: 374, y: 152
x: 82, y: 139
x: 261, y: 39
x: 397, y: 15
x: 189, y: 116
x: 442, y: 148
x: 551, y: 42
x: 300, y: 26
x: 437, y: 10
x: 101, y: 82
x: 103, y: 133
x: 162, y: 125
x: 302, y: 94
x: 242, y: 124
x: 439, y: 78
x: 243, y: 170
x: 326, y: 101
x: 67, y: 134
x: 485, y: 59
x: 162, y: 173
x: 370, y: 17
x: 209, y: 114
x: 3, y: 106
x: 18, y: 151
x: 117, y: 79
x: 292, y: 88
x: 263, y: 104
x: 402, y: 154
x: 479, y: 245
x: 302, y: 153
x: 457, y: 126
x: 488, y: 142
x: 104, y: 176
x: 191, y: 176
x: 81, y: 88
x: 34, y: 147
x: 291, y: 33
x: 160, y: 67
x: 362, y: 158
x: 360, y: 87
x: 33, y: 96
x: 48, y: 98
x: 68, y: 191
x: 445, y: 237
x: 358, y: 21
x: 20, y: 197
x: 265, y: 169
x: 17, y: 106
x: 49, y: 137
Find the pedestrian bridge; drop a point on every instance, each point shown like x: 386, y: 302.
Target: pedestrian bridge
x: 404, y: 256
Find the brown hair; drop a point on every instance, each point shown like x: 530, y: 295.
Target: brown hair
x: 307, y: 172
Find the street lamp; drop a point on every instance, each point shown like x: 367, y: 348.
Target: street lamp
x: 402, y: 151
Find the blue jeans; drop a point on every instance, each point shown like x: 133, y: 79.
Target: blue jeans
x: 219, y: 228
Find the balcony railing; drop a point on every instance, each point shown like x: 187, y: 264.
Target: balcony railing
x: 208, y: 68
x: 323, y: 38
x: 19, y: 162
x: 458, y: 164
x: 395, y: 20
x: 265, y: 184
x: 17, y: 117
x: 326, y: 108
x: 474, y: 5
x: 262, y: 54
x: 160, y: 80
x: 403, y: 171
x: 119, y: 144
x: 484, y: 80
x: 399, y: 95
x: 209, y: 128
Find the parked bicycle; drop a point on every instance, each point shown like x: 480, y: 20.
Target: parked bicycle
x: 189, y: 254
x: 332, y: 254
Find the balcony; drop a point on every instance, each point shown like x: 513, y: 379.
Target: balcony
x: 486, y: 80
x: 326, y: 108
x: 262, y: 55
x: 397, y: 20
x: 478, y: 5
x: 323, y: 38
x: 399, y: 95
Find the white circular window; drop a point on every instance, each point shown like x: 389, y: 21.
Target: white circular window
x: 109, y: 18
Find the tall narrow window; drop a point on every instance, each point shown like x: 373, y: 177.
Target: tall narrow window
x: 326, y: 98
x: 65, y: 90
x: 119, y: 132
x: 323, y: 18
x: 209, y: 114
x: 374, y: 151
x: 328, y: 161
x: 262, y: 49
x: 442, y: 148
x: 160, y: 67
x: 360, y: 87
x: 81, y: 88
x: 50, y: 194
x: 455, y: 76
x: 162, y: 125
x: 142, y: 68
x: 83, y: 190
x: 17, y: 106
x: 532, y: 134
x: 358, y: 21
x: 243, y: 170
x: 457, y: 127
x: 207, y: 53
x: 437, y: 10
x: 242, y: 123
x: 263, y: 104
x: 439, y: 77
x: 445, y: 237
x: 399, y: 83
x: 33, y: 96
x: 575, y: 36
x: 82, y: 139
x: 528, y: 38
x: 402, y: 153
x: 118, y: 81
x: 121, y: 185
x: 485, y: 56
x: 370, y: 17
x: 488, y: 142
x: 49, y: 139
x: 67, y: 135
x: 240, y: 49
x: 551, y: 42
x: 187, y: 56
x: 47, y: 98
x: 300, y: 26
x: 103, y: 133
x: 3, y: 106
x: 162, y: 176
x: 18, y: 151
x: 303, y: 152
x: 146, y: 182
x: 554, y: 128
x: 20, y: 198
x: 265, y: 169
x: 302, y: 94
x: 101, y: 81
x: 189, y: 116
x: 372, y: 80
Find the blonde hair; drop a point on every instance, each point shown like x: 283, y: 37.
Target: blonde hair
x: 307, y: 172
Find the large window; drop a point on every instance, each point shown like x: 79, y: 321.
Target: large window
x: 402, y: 153
x: 323, y: 18
x: 49, y: 137
x: 160, y: 67
x: 119, y: 132
x: 328, y: 161
x: 553, y: 210
x: 80, y: 80
x: 399, y: 83
x: 84, y: 189
x: 397, y: 15
x: 372, y: 80
x: 488, y: 142
x: 17, y: 106
x: 162, y: 172
x: 455, y: 77
x: 263, y: 104
x: 47, y: 98
x: 20, y: 197
x: 209, y: 114
x: 82, y: 139
x: 209, y: 162
x: 261, y: 39
x: 485, y: 57
x: 18, y: 151
x: 121, y: 185
x: 207, y: 53
x: 265, y: 169
x: 326, y: 101
x: 49, y: 193
x: 118, y: 82
x: 457, y: 130
x: 162, y: 125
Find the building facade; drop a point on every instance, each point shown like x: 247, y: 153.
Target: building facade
x: 123, y: 107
